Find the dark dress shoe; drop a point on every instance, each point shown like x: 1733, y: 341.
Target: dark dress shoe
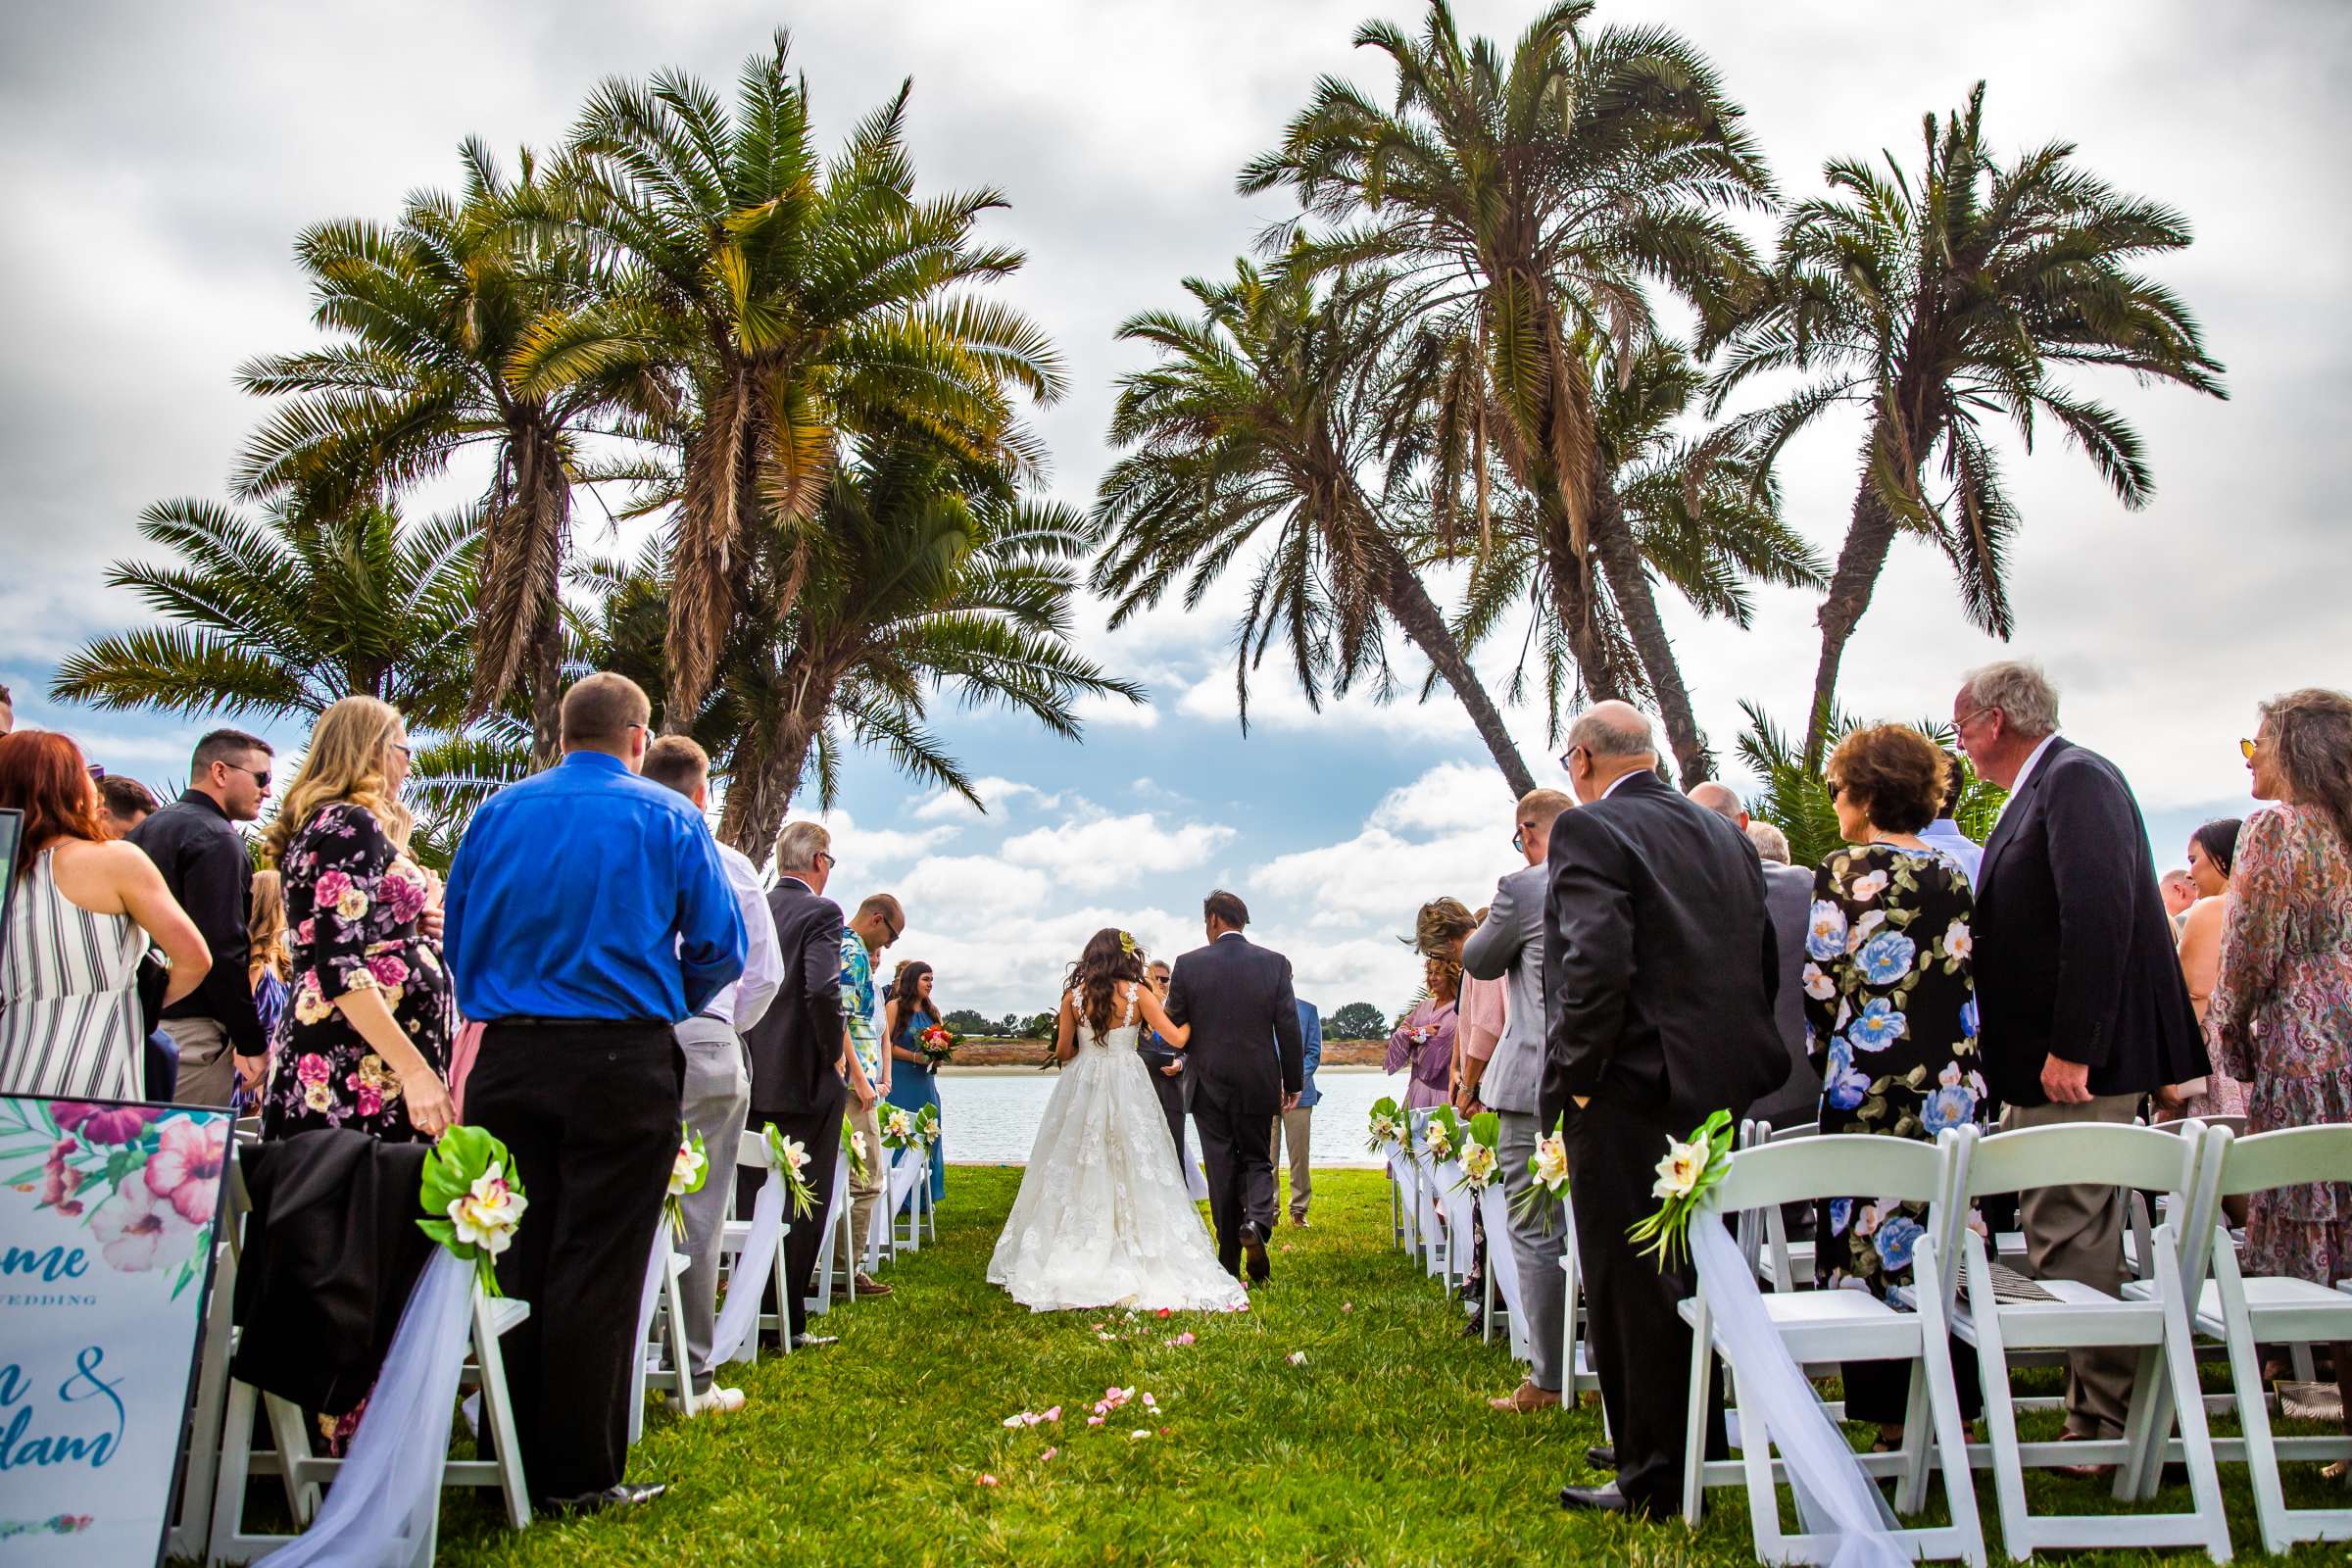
x: 1253, y: 1254
x: 1604, y: 1499
x: 1601, y: 1457
x: 623, y: 1496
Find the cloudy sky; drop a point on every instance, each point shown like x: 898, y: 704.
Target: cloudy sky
x: 160, y: 159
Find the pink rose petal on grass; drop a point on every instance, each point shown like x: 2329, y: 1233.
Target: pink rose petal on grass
x: 1297, y: 1358
x: 1347, y: 1307
x: 1093, y: 1420
x: 988, y: 1481
x: 1047, y: 1455
x: 1053, y: 1414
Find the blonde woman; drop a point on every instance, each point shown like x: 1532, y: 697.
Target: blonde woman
x: 365, y: 1039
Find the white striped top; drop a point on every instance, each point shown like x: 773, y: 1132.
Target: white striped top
x: 69, y: 1009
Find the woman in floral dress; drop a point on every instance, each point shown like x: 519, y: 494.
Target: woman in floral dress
x: 1890, y: 1018
x: 364, y: 1042
x: 2279, y: 1020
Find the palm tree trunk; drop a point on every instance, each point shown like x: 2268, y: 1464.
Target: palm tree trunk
x: 1403, y: 595
x: 1572, y: 602
x: 757, y: 798
x: 547, y: 688
x: 1869, y: 534
x: 1629, y: 583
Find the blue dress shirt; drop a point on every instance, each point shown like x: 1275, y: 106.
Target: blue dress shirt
x: 1944, y: 834
x: 1310, y: 1030
x: 586, y: 892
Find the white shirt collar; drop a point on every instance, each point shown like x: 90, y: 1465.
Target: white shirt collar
x: 2025, y: 773
x: 1619, y: 779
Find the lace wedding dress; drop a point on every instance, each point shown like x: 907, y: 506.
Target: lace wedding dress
x: 1104, y: 1219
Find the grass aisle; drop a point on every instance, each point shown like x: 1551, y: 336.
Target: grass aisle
x: 1378, y: 1450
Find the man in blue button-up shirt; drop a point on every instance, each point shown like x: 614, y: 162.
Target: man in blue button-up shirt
x: 587, y: 913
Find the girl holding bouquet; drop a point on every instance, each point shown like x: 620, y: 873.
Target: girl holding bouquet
x: 907, y: 1016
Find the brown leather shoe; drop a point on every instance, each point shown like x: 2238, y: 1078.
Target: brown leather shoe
x: 867, y: 1285
x: 1526, y: 1399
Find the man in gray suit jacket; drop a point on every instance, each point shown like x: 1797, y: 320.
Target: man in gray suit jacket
x: 1788, y: 903
x: 1509, y: 947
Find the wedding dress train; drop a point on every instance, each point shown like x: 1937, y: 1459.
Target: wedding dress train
x: 1104, y: 1219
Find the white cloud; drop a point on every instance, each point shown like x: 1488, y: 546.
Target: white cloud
x: 1446, y: 833
x: 863, y: 849
x: 965, y: 890
x: 998, y: 793
x: 1103, y: 851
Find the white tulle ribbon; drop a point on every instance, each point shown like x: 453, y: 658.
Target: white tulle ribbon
x: 913, y: 1164
x: 738, y: 1327
x: 387, y: 1499
x: 1834, y: 1495
x: 1503, y: 1261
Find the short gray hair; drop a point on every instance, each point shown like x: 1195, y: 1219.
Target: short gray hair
x: 1770, y: 843
x: 800, y: 843
x: 2020, y: 691
x: 1605, y: 733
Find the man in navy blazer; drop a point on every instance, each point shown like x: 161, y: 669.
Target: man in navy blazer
x: 2084, y: 1008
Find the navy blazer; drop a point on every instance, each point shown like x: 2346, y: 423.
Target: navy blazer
x: 2074, y: 950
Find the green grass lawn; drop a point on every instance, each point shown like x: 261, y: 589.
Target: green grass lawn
x: 1380, y: 1448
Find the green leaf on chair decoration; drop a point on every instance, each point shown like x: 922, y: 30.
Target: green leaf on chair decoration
x: 1690, y: 1171
x: 474, y: 1198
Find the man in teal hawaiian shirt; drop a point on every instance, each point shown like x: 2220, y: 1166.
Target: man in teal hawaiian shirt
x: 875, y: 926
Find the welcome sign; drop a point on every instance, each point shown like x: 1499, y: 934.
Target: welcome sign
x: 107, y: 1212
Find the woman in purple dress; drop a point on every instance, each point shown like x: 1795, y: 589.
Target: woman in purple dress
x: 1424, y: 1041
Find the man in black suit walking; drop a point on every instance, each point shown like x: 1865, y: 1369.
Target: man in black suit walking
x: 797, y: 1047
x: 1660, y: 967
x: 2084, y: 1006
x: 1247, y: 1060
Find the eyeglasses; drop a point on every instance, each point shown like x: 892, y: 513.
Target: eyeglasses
x: 829, y: 858
x: 892, y: 928
x: 259, y: 775
x: 1837, y: 789
x: 1570, y: 751
x: 1519, y: 838
x: 97, y: 770
x: 2246, y: 750
x: 1970, y: 717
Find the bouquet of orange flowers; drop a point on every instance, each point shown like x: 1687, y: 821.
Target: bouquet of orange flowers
x: 939, y: 1043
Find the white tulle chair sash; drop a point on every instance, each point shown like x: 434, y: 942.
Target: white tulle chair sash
x: 733, y: 1337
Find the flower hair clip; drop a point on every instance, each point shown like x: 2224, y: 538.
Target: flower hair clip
x: 1127, y: 944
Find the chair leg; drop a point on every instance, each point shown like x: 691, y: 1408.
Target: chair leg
x: 2253, y: 1411
x: 1755, y: 1457
x: 1694, y: 1437
x: 498, y: 1415
x: 2146, y: 1427
x: 2196, y: 1443
x: 1943, y: 1405
x: 2000, y: 1422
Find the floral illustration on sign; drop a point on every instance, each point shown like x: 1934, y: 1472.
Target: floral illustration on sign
x: 144, y: 1180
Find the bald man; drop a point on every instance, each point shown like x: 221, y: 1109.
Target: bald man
x: 1660, y: 967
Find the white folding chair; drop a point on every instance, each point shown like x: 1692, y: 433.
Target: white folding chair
x: 1580, y: 1371
x: 750, y: 1153
x: 2247, y: 1312
x: 2074, y: 1316
x: 1781, y: 1263
x: 1832, y: 1326
x: 660, y: 1363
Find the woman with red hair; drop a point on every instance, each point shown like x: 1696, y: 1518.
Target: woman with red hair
x: 85, y: 909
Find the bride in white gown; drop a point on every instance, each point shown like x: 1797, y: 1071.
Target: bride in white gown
x: 1104, y: 1218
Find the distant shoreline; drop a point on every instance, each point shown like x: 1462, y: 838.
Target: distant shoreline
x: 1017, y: 1056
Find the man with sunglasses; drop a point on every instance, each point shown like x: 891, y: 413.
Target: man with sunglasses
x: 195, y: 843
x: 878, y: 922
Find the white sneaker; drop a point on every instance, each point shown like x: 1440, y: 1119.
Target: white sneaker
x: 725, y: 1401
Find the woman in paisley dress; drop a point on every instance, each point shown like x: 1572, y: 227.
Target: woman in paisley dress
x: 2280, y: 1017
x: 1890, y: 1020
x: 364, y: 1042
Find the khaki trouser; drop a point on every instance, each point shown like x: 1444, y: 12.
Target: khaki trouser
x: 1297, y: 1124
x: 713, y: 1101
x: 207, y: 1068
x: 2076, y: 1233
x: 868, y: 1125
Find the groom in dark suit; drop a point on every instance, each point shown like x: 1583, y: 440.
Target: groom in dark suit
x: 1660, y: 967
x: 1246, y: 1062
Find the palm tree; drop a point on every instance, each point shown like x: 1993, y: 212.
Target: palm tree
x: 1519, y: 200
x: 1266, y: 410
x: 1794, y: 795
x: 431, y: 311
x: 1700, y: 514
x: 1940, y: 304
x: 287, y: 615
x: 807, y: 301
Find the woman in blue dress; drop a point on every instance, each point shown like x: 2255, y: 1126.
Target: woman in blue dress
x: 913, y: 1077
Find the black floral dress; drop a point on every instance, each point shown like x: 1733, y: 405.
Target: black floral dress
x: 1890, y: 1020
x: 352, y: 906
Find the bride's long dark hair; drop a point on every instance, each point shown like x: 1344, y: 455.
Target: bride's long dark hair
x: 1111, y: 957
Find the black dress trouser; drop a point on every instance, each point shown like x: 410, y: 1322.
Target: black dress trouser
x: 589, y: 1111
x: 1630, y: 1304
x: 820, y: 1130
x: 1237, y: 1148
